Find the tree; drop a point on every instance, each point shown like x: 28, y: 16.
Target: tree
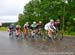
x: 45, y: 10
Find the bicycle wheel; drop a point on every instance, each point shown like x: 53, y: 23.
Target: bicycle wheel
x: 59, y: 36
x: 9, y: 34
x: 45, y: 36
x: 12, y: 34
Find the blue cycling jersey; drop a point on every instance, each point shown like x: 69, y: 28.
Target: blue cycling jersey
x: 12, y: 27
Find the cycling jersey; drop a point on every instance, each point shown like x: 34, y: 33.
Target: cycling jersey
x: 50, y: 26
x: 12, y: 27
x: 57, y: 25
x: 39, y: 25
x: 26, y: 26
x: 18, y: 27
x: 34, y: 26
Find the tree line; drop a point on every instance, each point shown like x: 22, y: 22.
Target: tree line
x: 45, y: 10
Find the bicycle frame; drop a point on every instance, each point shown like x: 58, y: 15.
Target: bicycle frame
x: 57, y: 35
x: 34, y: 33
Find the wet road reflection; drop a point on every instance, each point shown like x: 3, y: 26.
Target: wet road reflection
x: 29, y: 47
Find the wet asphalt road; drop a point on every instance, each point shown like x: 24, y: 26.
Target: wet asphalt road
x: 10, y: 46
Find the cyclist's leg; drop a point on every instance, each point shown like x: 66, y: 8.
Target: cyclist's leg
x: 9, y: 32
x: 25, y: 33
x: 32, y: 33
x: 17, y: 32
x: 50, y: 35
x: 12, y: 33
x: 37, y: 33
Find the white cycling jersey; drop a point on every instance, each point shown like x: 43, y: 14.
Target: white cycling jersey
x: 50, y: 26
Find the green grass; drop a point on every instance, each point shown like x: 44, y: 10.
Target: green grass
x: 69, y: 34
x: 3, y: 28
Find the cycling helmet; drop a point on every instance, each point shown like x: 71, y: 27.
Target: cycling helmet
x: 51, y: 20
x: 12, y: 24
x: 58, y: 20
x: 27, y: 22
x: 18, y: 26
x: 34, y: 22
x: 40, y: 21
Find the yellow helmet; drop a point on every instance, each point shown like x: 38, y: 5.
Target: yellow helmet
x: 40, y: 21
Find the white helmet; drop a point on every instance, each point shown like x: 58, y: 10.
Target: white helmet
x: 58, y: 20
x: 18, y: 26
x: 27, y: 22
x: 34, y: 22
x: 51, y: 20
x: 12, y: 24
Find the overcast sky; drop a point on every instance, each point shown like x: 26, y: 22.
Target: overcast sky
x: 11, y: 8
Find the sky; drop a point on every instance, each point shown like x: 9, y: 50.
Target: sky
x: 9, y: 9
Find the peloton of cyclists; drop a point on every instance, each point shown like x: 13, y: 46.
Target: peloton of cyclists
x: 36, y: 27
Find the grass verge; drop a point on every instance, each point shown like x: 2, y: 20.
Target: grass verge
x: 69, y: 34
x: 3, y: 28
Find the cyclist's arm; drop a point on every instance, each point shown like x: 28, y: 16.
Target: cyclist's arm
x: 54, y: 27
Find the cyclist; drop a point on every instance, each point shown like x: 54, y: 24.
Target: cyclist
x: 50, y: 28
x: 18, y: 30
x: 39, y: 26
x: 26, y: 27
x: 33, y: 28
x: 59, y: 31
x: 11, y: 28
x: 57, y: 24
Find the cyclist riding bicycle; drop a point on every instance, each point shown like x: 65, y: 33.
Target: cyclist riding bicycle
x: 26, y: 27
x: 18, y: 30
x: 39, y: 26
x: 11, y: 28
x: 33, y: 28
x: 50, y: 28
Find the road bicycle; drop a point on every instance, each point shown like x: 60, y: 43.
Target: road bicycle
x: 11, y: 33
x: 57, y: 35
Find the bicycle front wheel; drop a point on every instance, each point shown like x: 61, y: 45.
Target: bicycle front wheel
x: 59, y: 36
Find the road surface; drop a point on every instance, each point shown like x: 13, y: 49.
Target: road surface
x: 10, y: 46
